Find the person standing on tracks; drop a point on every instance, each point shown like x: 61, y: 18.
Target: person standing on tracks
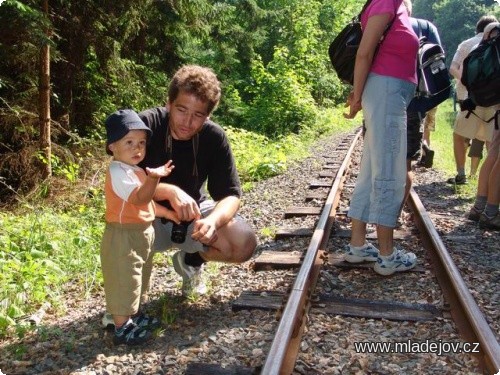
x: 384, y: 83
x: 486, y: 206
x: 420, y: 124
x: 199, y: 148
x: 416, y: 121
x: 471, y: 128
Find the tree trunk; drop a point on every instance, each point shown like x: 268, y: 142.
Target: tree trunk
x: 44, y: 101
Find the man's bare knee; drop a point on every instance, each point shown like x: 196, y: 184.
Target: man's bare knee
x: 247, y: 247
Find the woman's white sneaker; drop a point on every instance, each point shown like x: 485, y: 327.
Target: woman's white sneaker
x: 366, y: 253
x: 399, y: 261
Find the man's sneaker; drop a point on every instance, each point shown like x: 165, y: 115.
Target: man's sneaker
x: 142, y: 320
x: 474, y: 214
x: 459, y: 179
x: 399, y: 261
x: 131, y: 334
x: 368, y: 253
x: 192, y: 281
x: 486, y: 222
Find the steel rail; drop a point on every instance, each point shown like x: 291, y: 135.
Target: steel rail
x: 464, y: 309
x: 283, y: 352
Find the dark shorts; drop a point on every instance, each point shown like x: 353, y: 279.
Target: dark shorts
x: 476, y: 149
x: 414, y: 135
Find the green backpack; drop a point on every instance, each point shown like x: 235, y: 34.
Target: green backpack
x: 481, y: 72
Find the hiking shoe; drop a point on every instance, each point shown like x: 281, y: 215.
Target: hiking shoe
x: 131, y: 334
x: 192, y: 281
x: 486, y: 222
x: 474, y: 214
x: 368, y: 253
x: 458, y: 180
x: 399, y: 261
x: 142, y: 320
x: 428, y: 160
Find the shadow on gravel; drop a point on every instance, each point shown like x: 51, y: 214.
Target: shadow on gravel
x: 83, y: 347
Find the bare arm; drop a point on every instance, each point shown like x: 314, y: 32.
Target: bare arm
x: 455, y: 70
x: 205, y: 229
x: 164, y: 212
x: 456, y: 64
x: 145, y: 193
x: 184, y: 206
x: 371, y: 36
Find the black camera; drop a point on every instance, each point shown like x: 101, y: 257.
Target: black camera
x: 179, y: 232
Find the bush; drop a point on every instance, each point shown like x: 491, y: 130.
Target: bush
x: 281, y: 104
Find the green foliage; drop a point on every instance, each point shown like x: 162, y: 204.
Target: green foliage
x: 258, y: 157
x: 42, y: 251
x: 70, y: 170
x: 281, y: 103
x: 269, y: 232
x: 126, y: 84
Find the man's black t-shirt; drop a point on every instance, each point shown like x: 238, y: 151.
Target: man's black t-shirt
x: 214, y: 159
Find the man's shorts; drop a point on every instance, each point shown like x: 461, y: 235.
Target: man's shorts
x: 163, y: 233
x: 474, y: 126
x: 414, y: 135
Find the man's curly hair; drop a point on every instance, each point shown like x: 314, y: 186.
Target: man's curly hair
x: 197, y: 80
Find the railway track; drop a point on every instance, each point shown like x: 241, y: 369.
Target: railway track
x: 304, y: 299
x: 297, y: 308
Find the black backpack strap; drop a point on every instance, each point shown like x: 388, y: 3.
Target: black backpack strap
x: 363, y: 9
x: 419, y: 23
x: 495, y: 117
x: 427, y: 29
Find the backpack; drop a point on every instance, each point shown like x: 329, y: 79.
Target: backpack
x: 481, y: 76
x: 433, y: 80
x: 343, y: 48
x: 481, y: 72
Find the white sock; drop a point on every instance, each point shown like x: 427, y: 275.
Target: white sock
x: 387, y: 257
x: 359, y: 247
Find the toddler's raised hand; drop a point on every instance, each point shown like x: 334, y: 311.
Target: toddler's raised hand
x: 161, y: 171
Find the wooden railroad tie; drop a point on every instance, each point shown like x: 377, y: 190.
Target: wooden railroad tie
x: 198, y: 368
x: 341, y: 233
x: 302, y: 211
x: 319, y: 184
x: 288, y: 233
x: 398, y: 234
x: 273, y: 260
x: 337, y: 305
